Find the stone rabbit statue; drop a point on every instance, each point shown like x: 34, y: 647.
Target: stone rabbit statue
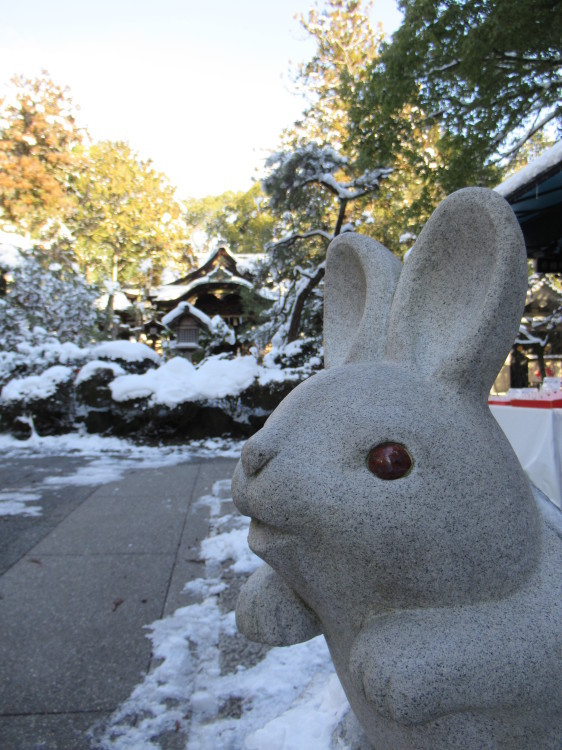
x: 390, y: 509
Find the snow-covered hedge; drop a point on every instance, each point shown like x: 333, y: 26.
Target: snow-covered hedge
x: 124, y: 388
x: 36, y: 387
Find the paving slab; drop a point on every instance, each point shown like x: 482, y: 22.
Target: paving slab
x: 188, y: 565
x: 81, y: 582
x: 48, y: 731
x: 19, y: 533
x: 144, y: 513
x: 19, y: 471
x: 73, y: 636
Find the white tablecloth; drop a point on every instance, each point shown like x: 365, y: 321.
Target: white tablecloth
x: 536, y: 438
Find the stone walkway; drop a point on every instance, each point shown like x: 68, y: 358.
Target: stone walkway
x: 77, y: 585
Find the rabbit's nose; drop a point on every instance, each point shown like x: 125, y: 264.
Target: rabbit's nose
x: 255, y: 456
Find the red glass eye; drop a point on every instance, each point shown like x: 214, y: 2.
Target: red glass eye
x: 389, y: 461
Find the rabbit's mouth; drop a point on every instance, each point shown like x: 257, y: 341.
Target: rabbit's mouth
x: 262, y: 535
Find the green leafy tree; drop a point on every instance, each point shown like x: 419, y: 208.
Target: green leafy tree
x: 317, y: 186
x: 38, y: 138
x: 487, y: 71
x: 313, y: 186
x: 346, y: 44
x: 240, y: 219
x: 127, y: 224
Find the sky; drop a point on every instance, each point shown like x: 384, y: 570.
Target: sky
x: 203, y: 89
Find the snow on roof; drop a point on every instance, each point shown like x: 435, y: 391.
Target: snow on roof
x: 216, y: 324
x: 181, y: 309
x: 210, y: 280
x: 248, y: 261
x: 130, y: 351
x: 543, y: 163
x: 207, y: 255
x: 169, y: 275
x: 169, y: 293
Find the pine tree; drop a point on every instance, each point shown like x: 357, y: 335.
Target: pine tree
x: 311, y: 189
x: 345, y: 44
x: 316, y: 184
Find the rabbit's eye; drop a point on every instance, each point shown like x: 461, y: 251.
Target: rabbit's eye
x: 389, y: 461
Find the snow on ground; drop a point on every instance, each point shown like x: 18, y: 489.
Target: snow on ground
x: 290, y: 699
x: 281, y: 699
x: 107, y: 459
x: 15, y: 503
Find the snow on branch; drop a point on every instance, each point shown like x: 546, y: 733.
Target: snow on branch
x: 529, y: 133
x: 313, y: 164
x: 442, y: 68
x: 290, y: 239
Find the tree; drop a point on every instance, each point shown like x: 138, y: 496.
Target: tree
x: 126, y: 223
x: 315, y: 186
x: 332, y: 80
x: 240, y: 219
x: 38, y: 134
x: 487, y: 71
x: 345, y: 44
x: 46, y: 299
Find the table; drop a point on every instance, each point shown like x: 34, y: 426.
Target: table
x: 535, y: 434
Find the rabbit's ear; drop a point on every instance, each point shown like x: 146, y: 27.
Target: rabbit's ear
x: 459, y: 301
x: 361, y: 276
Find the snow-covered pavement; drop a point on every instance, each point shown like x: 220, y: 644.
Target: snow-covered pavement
x: 214, y: 687
x: 77, y: 641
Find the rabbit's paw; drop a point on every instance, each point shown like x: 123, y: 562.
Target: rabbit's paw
x: 417, y: 666
x: 398, y: 670
x: 269, y: 611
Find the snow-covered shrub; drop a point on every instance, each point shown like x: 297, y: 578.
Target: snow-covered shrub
x: 45, y: 402
x: 303, y: 355
x: 216, y: 336
x: 49, y: 295
x: 36, y: 387
x: 35, y: 351
x: 178, y: 380
x: 131, y: 356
